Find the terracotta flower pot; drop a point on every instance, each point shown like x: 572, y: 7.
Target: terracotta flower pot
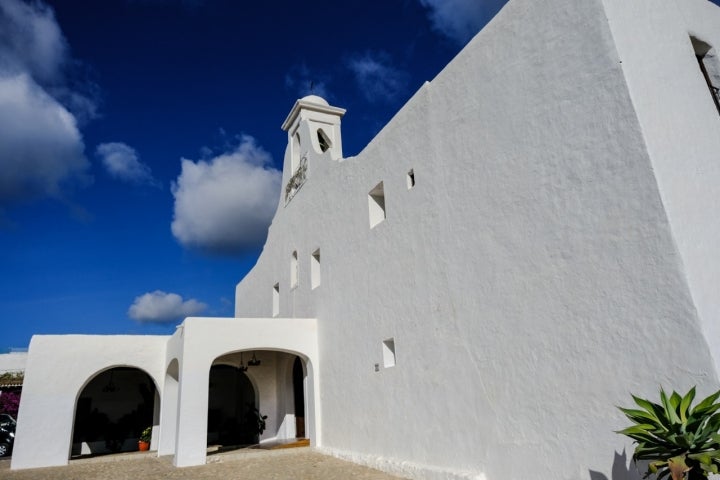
x: 143, y: 446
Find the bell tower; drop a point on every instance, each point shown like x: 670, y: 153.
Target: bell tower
x: 313, y: 129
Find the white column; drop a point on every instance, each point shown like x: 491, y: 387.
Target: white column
x: 191, y: 440
x: 168, y: 417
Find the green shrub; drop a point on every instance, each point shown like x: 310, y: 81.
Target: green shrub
x: 677, y: 439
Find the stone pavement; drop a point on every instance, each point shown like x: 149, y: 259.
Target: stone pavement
x: 290, y: 464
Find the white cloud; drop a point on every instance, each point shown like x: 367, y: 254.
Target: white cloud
x: 160, y: 307
x: 225, y: 204
x: 460, y: 20
x: 31, y: 40
x: 122, y: 162
x: 376, y: 77
x: 42, y: 150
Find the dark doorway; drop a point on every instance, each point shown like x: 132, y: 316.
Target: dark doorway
x: 299, y: 394
x: 231, y: 408
x: 112, y: 410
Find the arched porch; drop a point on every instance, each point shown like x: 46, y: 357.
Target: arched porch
x: 58, y: 370
x: 276, y: 341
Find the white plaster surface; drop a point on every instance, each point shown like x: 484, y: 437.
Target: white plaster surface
x: 534, y: 275
x: 680, y: 126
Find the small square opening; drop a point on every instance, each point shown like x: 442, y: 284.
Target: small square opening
x: 411, y: 179
x: 315, y: 269
x: 376, y: 204
x: 709, y: 68
x: 276, y: 300
x: 388, y: 347
x: 294, y: 270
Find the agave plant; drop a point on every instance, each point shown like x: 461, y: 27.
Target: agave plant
x: 677, y: 439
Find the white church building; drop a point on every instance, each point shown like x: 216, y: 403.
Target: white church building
x: 534, y: 236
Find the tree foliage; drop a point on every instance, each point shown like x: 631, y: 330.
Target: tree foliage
x: 10, y: 403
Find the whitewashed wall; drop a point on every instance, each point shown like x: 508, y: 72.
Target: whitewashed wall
x: 57, y: 370
x: 531, y: 279
x: 681, y: 128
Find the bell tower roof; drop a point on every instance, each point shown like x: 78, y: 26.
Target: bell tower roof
x: 312, y: 103
x: 315, y: 99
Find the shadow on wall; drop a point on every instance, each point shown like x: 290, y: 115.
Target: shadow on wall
x: 621, y: 470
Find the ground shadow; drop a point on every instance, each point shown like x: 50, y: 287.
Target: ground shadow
x: 621, y: 469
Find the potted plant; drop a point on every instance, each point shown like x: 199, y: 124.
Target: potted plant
x: 144, y: 441
x: 678, y: 440
x: 253, y: 425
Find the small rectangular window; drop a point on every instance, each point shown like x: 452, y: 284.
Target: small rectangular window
x: 315, y: 269
x: 709, y: 68
x: 294, y: 270
x: 410, y: 179
x: 276, y: 300
x: 376, y: 204
x: 389, y: 352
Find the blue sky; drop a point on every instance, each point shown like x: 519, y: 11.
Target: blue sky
x: 140, y: 141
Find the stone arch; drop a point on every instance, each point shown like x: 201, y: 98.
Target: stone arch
x: 111, y: 408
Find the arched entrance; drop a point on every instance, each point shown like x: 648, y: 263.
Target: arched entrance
x: 256, y: 396
x: 232, y: 407
x: 276, y: 342
x: 112, y: 410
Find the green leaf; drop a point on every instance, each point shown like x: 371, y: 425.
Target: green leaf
x: 654, y: 410
x: 653, y: 466
x: 646, y: 404
x: 706, y: 403
x: 675, y: 400
x: 642, y: 428
x: 712, y: 468
x: 704, y: 458
x: 670, y: 413
x: 710, y: 428
x: 685, y: 404
x: 681, y: 441
x: 655, y: 453
x: 641, y: 416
